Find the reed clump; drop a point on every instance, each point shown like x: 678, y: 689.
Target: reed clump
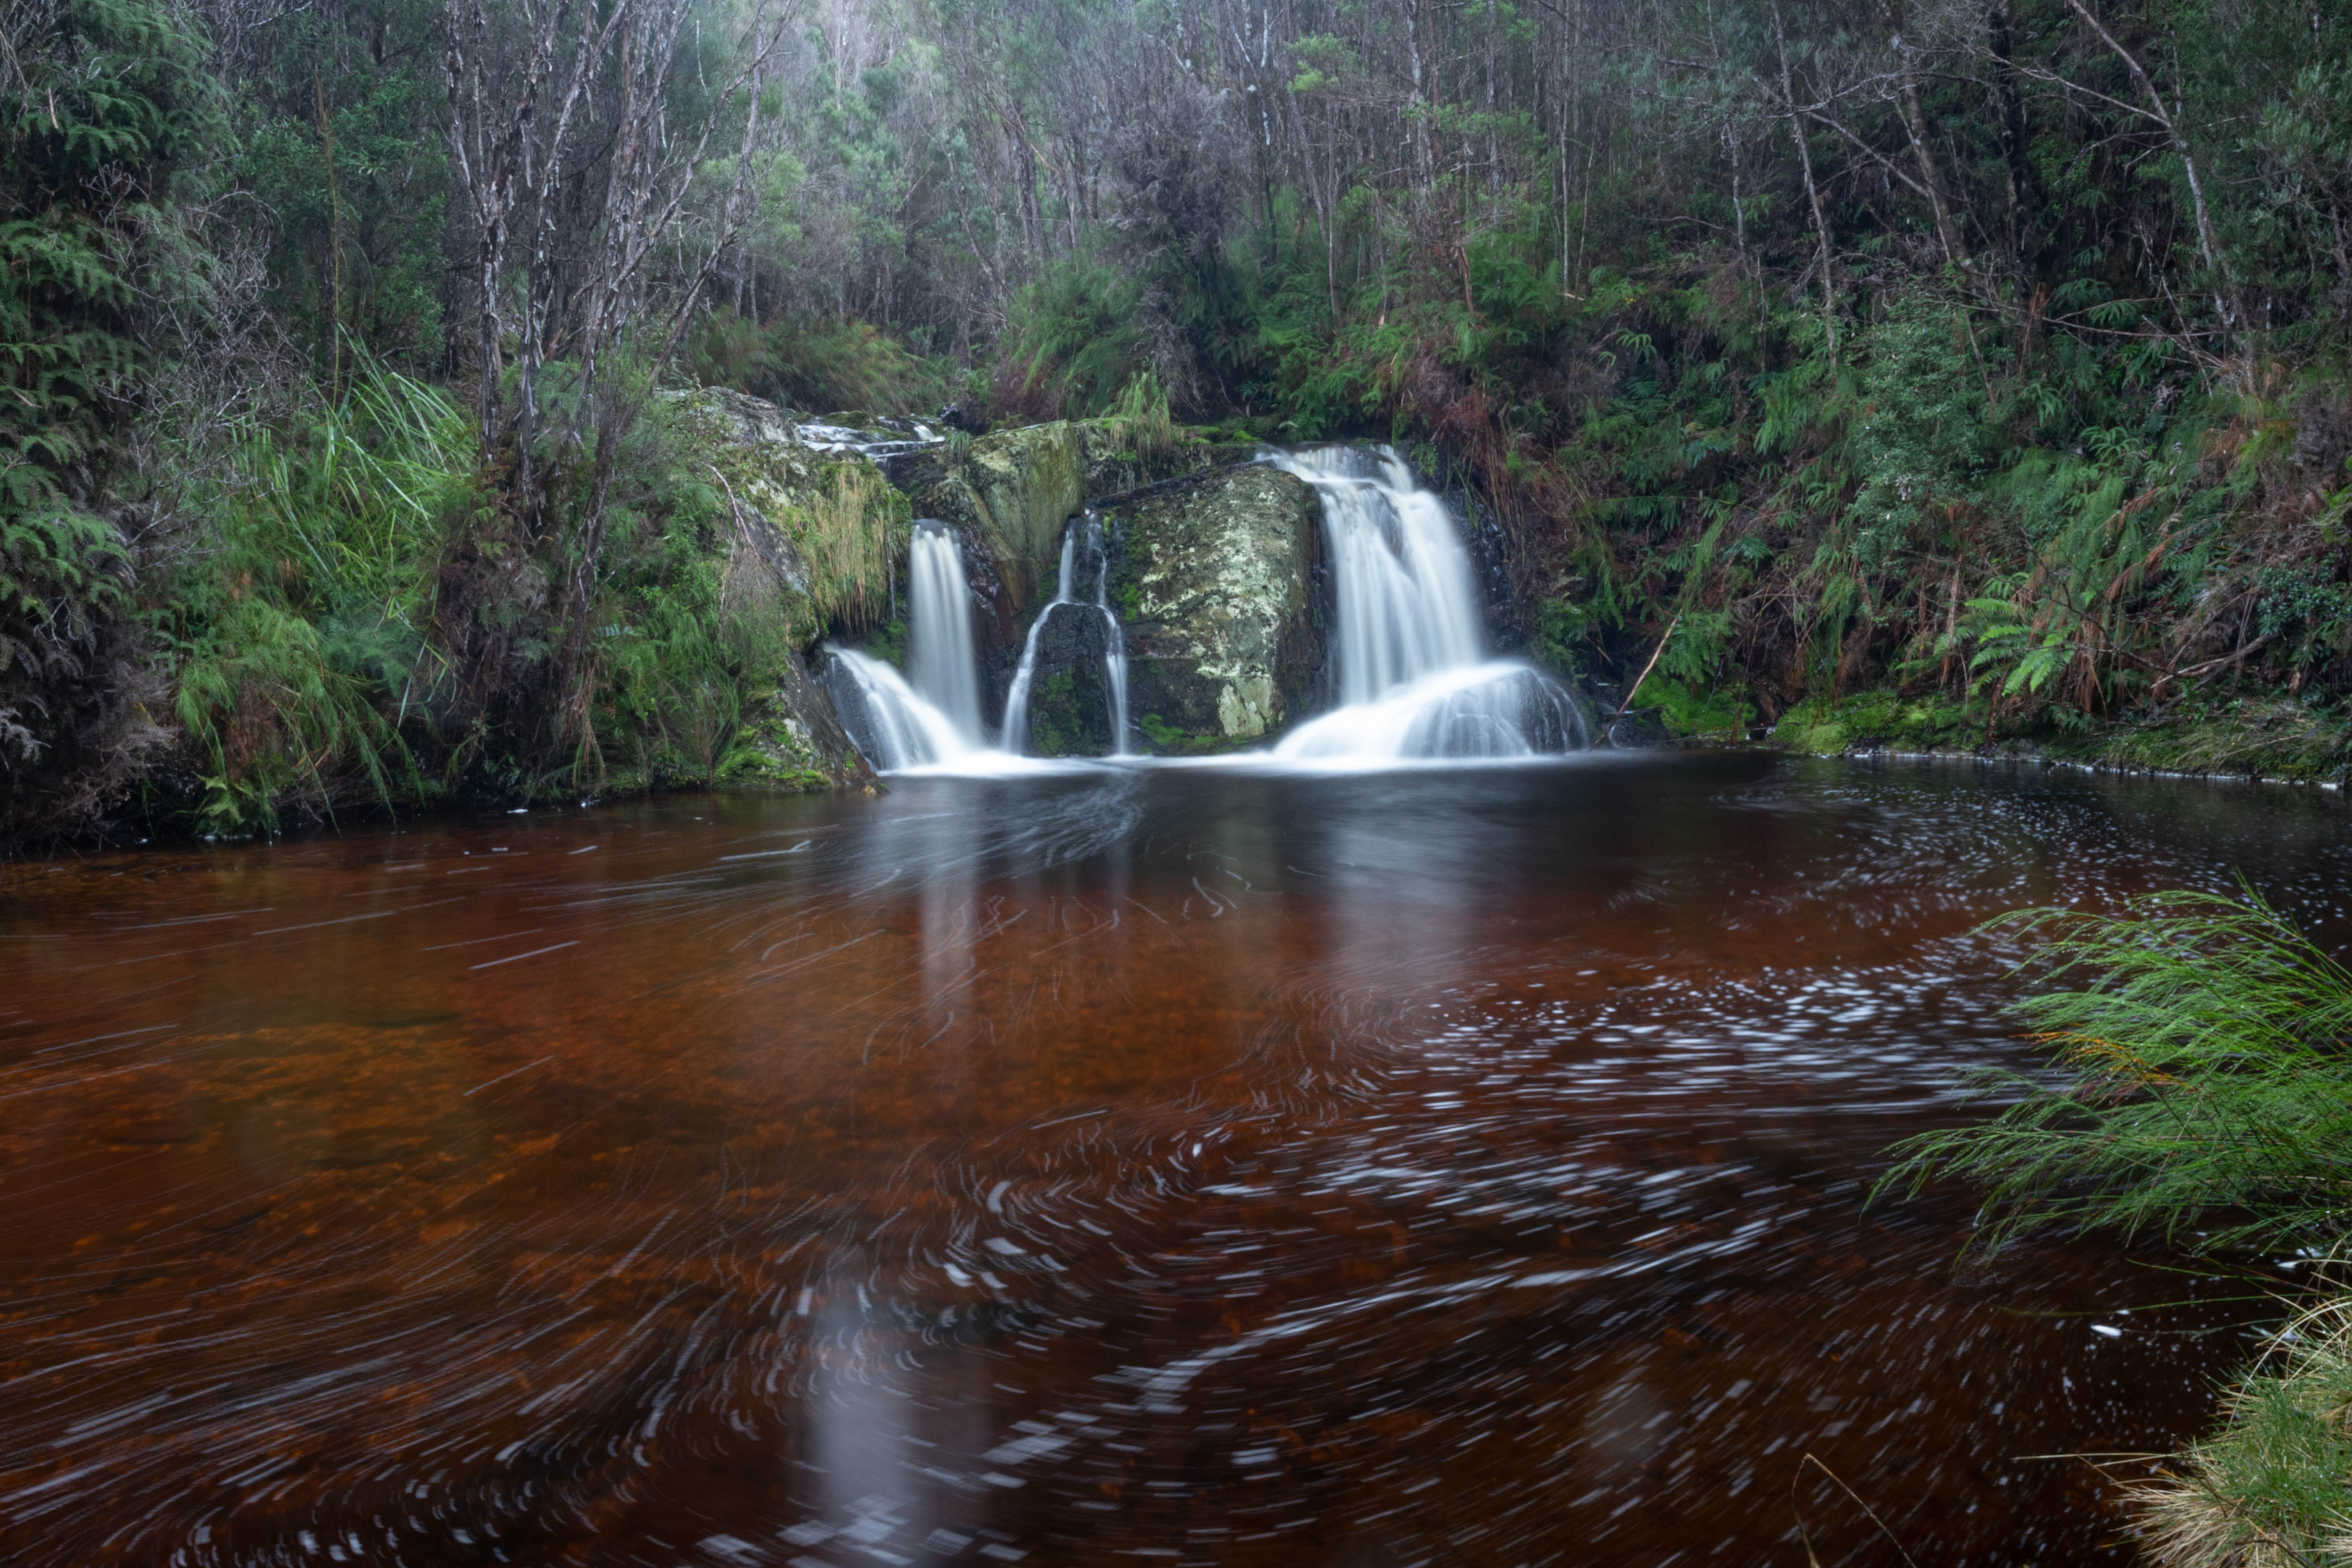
x: 852, y: 537
x: 2204, y: 1083
x: 2203, y: 1094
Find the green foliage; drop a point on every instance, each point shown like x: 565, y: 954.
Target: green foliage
x: 2204, y: 1080
x: 1694, y: 709
x: 1825, y: 725
x: 342, y: 141
x: 103, y: 105
x: 684, y: 671
x: 815, y: 363
x: 1073, y: 341
x: 303, y: 628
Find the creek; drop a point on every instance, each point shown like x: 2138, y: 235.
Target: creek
x: 1216, y: 1164
x: 1415, y: 682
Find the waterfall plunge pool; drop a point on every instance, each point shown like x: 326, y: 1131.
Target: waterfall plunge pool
x: 1197, y: 1164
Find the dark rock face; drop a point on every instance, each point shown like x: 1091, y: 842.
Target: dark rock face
x: 794, y: 740
x: 1070, y: 692
x: 1213, y: 581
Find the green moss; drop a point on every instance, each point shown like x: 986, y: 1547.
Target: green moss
x: 2267, y: 737
x: 1053, y: 730
x: 1173, y: 740
x: 1824, y: 725
x: 1688, y: 710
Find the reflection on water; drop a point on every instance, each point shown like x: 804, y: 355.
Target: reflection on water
x: 1187, y: 1164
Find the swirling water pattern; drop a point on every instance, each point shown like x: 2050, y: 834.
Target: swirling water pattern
x: 1188, y: 1166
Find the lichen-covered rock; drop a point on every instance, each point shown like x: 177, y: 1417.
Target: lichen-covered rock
x: 811, y: 537
x: 1214, y: 581
x: 1016, y: 488
x: 821, y: 529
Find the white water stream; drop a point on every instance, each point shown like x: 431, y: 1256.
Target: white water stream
x: 1415, y: 680
x: 939, y: 631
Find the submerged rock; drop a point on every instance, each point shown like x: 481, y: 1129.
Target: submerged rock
x: 1213, y: 580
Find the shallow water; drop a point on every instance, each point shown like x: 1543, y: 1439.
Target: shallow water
x: 1177, y: 1166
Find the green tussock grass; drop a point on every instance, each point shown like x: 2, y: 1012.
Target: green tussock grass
x: 2202, y: 1095
x: 2202, y: 1080
x: 2268, y: 1488
x: 850, y: 538
x: 303, y: 629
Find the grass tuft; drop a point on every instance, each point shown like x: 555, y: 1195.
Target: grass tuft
x: 2269, y: 1489
x: 2202, y: 1080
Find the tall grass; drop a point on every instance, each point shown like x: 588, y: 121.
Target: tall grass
x: 2268, y: 1488
x: 302, y: 627
x: 2204, y: 1095
x: 853, y: 536
x: 2204, y: 1086
x: 1143, y: 418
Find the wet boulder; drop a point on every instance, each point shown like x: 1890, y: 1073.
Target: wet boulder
x: 1071, y: 703
x: 1215, y: 580
x: 792, y: 739
x: 1015, y: 488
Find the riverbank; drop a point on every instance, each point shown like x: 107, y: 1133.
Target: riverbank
x: 2258, y: 737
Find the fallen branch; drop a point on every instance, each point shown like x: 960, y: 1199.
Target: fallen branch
x: 1647, y: 668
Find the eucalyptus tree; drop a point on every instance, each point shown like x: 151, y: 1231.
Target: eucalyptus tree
x: 578, y: 132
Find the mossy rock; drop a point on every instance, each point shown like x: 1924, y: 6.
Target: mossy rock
x: 821, y: 530
x: 1211, y: 581
x: 792, y: 741
x: 1016, y: 488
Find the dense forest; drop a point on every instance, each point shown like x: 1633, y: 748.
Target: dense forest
x: 1932, y: 371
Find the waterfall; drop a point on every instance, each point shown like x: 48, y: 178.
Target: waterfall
x: 894, y: 727
x: 1415, y: 680
x: 939, y: 630
x: 1016, y: 701
x: 935, y: 718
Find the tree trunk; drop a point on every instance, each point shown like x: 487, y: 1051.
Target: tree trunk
x: 1813, y: 190
x: 2013, y: 135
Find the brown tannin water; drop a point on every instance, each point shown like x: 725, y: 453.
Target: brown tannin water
x: 1181, y: 1165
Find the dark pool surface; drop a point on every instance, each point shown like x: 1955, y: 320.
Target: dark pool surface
x: 1176, y: 1166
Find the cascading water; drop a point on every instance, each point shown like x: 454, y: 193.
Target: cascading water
x: 895, y: 727
x: 939, y: 629
x: 1415, y: 682
x: 935, y: 720
x: 1088, y: 532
